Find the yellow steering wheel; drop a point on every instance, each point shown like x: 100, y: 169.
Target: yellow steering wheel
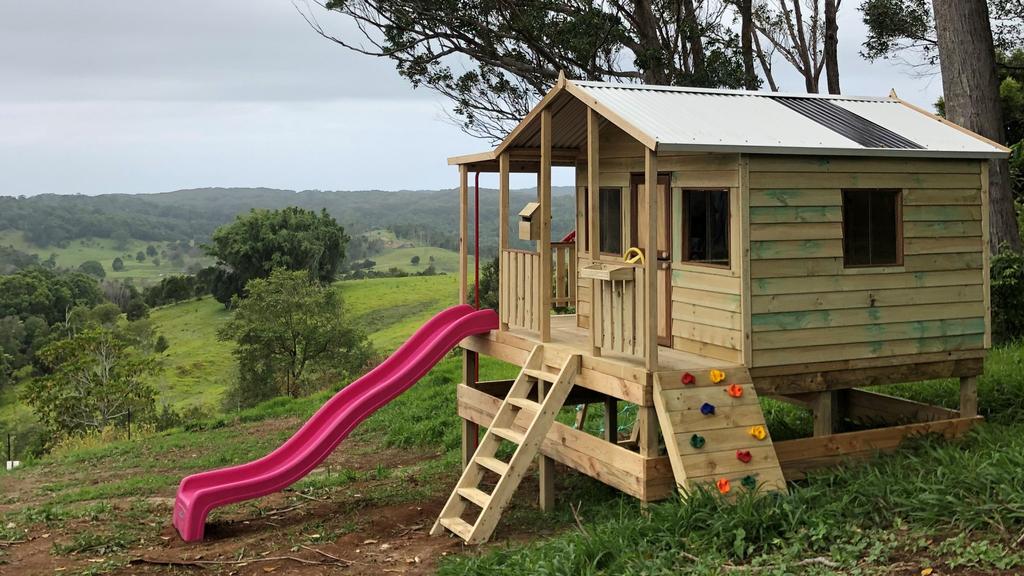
x: 634, y: 256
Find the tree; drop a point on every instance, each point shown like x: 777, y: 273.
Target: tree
x: 415, y: 260
x: 495, y: 59
x: 156, y: 262
x: 151, y: 251
x: 92, y: 268
x: 140, y: 256
x: 292, y: 238
x: 46, y: 293
x: 808, y: 44
x: 117, y: 265
x: 136, y: 309
x: 289, y: 327
x: 121, y: 239
x: 93, y: 379
x: 971, y: 93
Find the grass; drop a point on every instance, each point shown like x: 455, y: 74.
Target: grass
x: 103, y: 250
x: 390, y: 309
x: 444, y: 260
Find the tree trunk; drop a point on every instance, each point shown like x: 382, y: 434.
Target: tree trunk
x: 653, y: 58
x: 693, y: 33
x: 746, y: 43
x: 831, y: 48
x: 971, y: 91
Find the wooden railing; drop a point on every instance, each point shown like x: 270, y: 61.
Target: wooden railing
x: 520, y: 299
x: 563, y: 260
x: 621, y: 328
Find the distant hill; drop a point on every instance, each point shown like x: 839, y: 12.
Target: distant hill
x: 429, y: 215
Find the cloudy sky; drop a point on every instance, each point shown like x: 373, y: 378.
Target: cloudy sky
x: 143, y: 96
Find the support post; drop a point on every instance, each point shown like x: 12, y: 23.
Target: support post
x: 470, y: 430
x: 650, y: 214
x: 594, y: 234
x: 463, y: 233
x: 824, y: 408
x: 545, y: 465
x: 969, y: 393
x: 545, y: 225
x: 611, y: 420
x: 503, y: 185
x: 647, y: 423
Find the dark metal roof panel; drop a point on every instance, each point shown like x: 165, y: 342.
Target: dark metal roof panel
x: 847, y: 123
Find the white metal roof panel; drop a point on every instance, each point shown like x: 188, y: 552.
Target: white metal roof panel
x: 728, y: 120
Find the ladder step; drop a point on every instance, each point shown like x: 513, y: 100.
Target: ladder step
x: 541, y: 375
x: 458, y: 526
x: 508, y: 434
x: 475, y: 495
x: 492, y: 464
x: 525, y: 403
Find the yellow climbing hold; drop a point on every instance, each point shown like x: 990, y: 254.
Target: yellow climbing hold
x: 758, y: 432
x: 717, y: 376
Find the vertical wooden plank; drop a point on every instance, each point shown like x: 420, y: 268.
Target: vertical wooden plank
x: 611, y: 419
x: 677, y: 223
x: 650, y: 217
x: 545, y: 465
x: 463, y: 233
x: 824, y: 408
x: 647, y: 440
x: 741, y: 252
x: 470, y: 430
x: 573, y: 277
x: 544, y: 311
x: 503, y: 278
x: 503, y: 186
x: 528, y: 280
x: 969, y: 393
x: 561, y: 275
x: 606, y: 317
x: 593, y: 198
x: 986, y: 254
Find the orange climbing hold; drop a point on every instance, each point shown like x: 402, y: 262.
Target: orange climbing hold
x: 758, y: 432
x: 717, y: 376
x: 735, y: 390
x: 723, y: 485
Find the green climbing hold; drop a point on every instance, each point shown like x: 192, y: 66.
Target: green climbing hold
x: 697, y: 441
x: 749, y: 482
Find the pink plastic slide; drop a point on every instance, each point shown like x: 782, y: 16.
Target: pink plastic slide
x: 200, y: 493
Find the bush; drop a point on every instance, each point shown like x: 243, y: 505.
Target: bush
x: 1008, y: 295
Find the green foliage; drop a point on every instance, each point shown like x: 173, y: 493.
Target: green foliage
x: 117, y: 265
x: 151, y: 251
x: 489, y: 285
x: 1007, y: 275
x: 140, y: 256
x: 12, y: 260
x: 45, y: 293
x: 291, y: 239
x: 92, y: 380
x: 161, y: 345
x: 176, y: 288
x: 92, y: 268
x: 136, y: 309
x: 289, y: 331
x: 415, y: 260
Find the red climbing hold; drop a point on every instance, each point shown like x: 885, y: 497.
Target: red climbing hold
x: 688, y: 379
x: 743, y: 456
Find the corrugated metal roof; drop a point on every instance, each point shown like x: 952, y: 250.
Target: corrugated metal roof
x: 705, y: 119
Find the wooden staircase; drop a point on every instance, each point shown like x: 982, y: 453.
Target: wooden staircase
x: 726, y: 445
x: 469, y: 499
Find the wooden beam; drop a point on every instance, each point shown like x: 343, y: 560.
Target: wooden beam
x: 647, y: 439
x: 742, y: 254
x: 463, y: 234
x: 969, y: 396
x: 824, y: 408
x: 986, y: 253
x: 545, y: 465
x: 503, y: 186
x: 651, y: 261
x: 545, y: 226
x: 594, y: 234
x: 611, y: 419
x: 470, y: 430
x: 873, y: 408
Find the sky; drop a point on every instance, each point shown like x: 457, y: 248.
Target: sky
x: 140, y: 96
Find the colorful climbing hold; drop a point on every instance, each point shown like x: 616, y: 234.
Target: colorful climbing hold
x: 707, y: 409
x: 723, y: 485
x: 717, y: 376
x: 758, y: 432
x: 749, y: 482
x: 697, y: 441
x: 688, y: 379
x: 735, y: 390
x: 743, y: 456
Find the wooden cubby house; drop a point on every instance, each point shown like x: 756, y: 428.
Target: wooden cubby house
x: 805, y: 246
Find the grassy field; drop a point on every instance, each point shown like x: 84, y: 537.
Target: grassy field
x: 389, y: 309
x: 103, y: 251
x: 444, y: 260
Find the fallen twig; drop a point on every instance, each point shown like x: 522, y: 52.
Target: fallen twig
x: 331, y: 556
x: 11, y: 542
x: 308, y: 497
x: 172, y: 562
x: 283, y: 510
x: 579, y: 522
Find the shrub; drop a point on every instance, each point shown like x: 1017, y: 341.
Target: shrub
x: 1008, y: 295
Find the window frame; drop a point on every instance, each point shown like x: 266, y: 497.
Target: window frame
x: 899, y: 224
x: 683, y: 257
x: 627, y: 218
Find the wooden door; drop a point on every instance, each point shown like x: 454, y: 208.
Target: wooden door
x: 662, y: 252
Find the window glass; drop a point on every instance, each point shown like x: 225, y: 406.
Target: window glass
x: 706, y: 226
x: 871, y: 228
x: 610, y: 210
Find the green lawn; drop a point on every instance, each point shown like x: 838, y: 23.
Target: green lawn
x: 401, y: 258
x: 103, y: 251
x: 390, y: 309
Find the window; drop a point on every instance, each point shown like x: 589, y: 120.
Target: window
x: 872, y: 234
x: 705, y: 225
x: 612, y: 219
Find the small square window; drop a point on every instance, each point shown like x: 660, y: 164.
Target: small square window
x: 612, y: 216
x: 872, y: 228
x: 705, y: 225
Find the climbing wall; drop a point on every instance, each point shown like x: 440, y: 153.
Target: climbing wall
x: 715, y: 430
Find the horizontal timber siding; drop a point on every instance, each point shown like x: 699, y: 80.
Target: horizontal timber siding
x: 807, y: 307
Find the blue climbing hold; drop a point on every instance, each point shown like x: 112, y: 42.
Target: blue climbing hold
x: 707, y: 409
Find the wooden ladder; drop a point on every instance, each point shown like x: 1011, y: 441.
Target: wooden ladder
x: 552, y: 390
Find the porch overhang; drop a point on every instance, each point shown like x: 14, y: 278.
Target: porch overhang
x: 520, y: 159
